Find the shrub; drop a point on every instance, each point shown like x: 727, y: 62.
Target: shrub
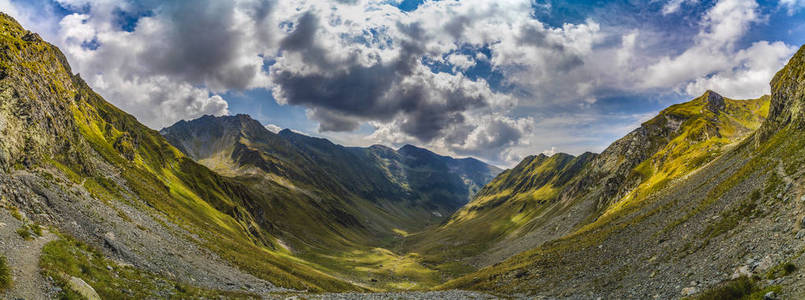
x: 5, y: 274
x: 24, y: 233
x: 734, y: 289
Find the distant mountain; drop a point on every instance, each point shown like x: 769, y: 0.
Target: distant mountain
x: 343, y: 198
x: 240, y: 146
x: 703, y: 200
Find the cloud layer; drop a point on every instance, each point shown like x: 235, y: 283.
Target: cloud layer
x: 473, y: 77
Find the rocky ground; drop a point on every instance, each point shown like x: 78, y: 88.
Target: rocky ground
x: 451, y: 294
x: 651, y: 259
x: 130, y: 235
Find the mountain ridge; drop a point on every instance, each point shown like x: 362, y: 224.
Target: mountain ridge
x: 718, y: 183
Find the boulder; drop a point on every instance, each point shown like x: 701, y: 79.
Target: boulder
x: 82, y: 288
x: 689, y: 291
x: 741, y: 271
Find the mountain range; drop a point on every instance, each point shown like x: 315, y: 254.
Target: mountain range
x: 705, y: 200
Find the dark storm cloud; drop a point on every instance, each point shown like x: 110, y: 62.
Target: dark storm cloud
x: 381, y: 91
x: 201, y: 45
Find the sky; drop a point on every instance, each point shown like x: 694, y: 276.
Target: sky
x: 496, y: 80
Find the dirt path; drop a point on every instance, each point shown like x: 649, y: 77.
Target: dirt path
x: 23, y: 258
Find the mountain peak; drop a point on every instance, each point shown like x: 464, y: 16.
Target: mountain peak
x: 715, y: 102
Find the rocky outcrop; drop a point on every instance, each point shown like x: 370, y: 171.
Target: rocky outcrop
x: 787, y: 98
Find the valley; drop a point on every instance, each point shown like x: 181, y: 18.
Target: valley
x: 707, y: 195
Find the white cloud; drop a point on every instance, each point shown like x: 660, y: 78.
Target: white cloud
x: 672, y: 6
x: 712, y: 62
x: 792, y: 5
x: 362, y: 62
x: 461, y: 62
x: 273, y: 128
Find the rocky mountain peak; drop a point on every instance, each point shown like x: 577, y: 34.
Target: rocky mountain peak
x: 715, y: 102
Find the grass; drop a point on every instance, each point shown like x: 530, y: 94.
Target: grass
x: 66, y: 257
x: 743, y: 288
x: 6, y: 279
x: 29, y: 231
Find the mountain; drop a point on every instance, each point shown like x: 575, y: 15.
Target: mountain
x: 544, y: 198
x: 703, y: 200
x: 342, y: 199
x: 101, y: 199
x: 73, y: 161
x: 410, y: 177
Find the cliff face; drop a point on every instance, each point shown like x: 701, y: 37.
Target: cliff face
x: 787, y: 97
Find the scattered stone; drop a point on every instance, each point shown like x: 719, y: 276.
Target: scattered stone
x: 689, y: 291
x: 770, y: 296
x: 741, y: 271
x: 764, y: 264
x: 82, y: 288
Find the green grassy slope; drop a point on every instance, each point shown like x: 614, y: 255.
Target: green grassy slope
x: 338, y: 207
x: 544, y: 198
x: 683, y: 207
x: 70, y: 128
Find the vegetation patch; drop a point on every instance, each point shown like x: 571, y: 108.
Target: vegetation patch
x: 743, y: 288
x: 66, y: 258
x: 5, y: 274
x: 29, y: 231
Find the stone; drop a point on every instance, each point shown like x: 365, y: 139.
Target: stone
x: 741, y: 271
x: 689, y: 291
x: 764, y: 264
x: 770, y: 296
x: 82, y: 288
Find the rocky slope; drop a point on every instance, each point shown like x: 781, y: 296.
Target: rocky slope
x: 698, y: 204
x: 72, y: 161
x: 544, y: 198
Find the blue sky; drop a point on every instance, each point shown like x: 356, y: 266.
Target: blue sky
x: 497, y: 80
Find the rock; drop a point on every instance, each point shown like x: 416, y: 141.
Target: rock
x: 689, y: 291
x: 770, y: 296
x: 800, y: 234
x: 802, y: 223
x: 764, y: 264
x: 741, y: 271
x: 802, y: 199
x: 82, y: 288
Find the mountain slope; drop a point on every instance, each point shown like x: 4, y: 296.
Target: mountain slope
x: 544, y: 198
x: 74, y: 161
x: 342, y: 205
x: 701, y: 214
